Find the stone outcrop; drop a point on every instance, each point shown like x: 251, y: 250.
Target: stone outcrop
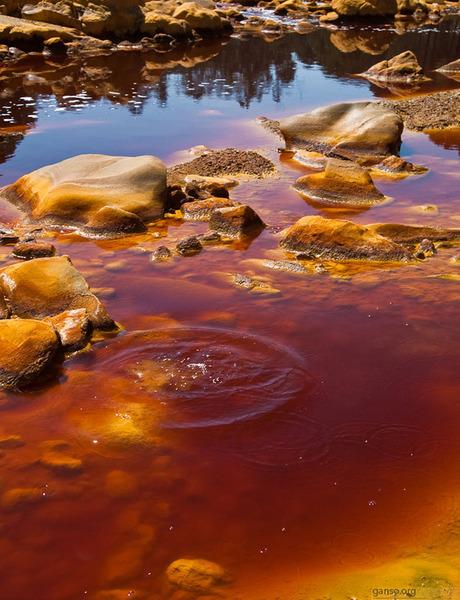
x: 202, y: 20
x: 363, y: 131
x: 343, y: 184
x: 15, y: 31
x: 338, y: 240
x: 45, y: 287
x: 236, y: 221
x: 99, y: 194
x: 196, y: 575
x: 403, y: 68
x: 365, y: 8
x: 414, y: 234
x: 27, y: 349
x: 201, y: 210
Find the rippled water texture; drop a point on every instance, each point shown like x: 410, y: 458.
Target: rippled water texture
x: 307, y: 439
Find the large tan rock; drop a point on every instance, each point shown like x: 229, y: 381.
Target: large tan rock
x: 336, y: 239
x: 365, y: 8
x: 44, y: 287
x: 27, y: 348
x: 112, y: 18
x: 57, y: 13
x: 156, y: 22
x: 201, y: 19
x: 80, y: 190
x: 343, y: 183
x: 403, y: 68
x: 22, y: 31
x: 196, y: 575
x: 361, y: 131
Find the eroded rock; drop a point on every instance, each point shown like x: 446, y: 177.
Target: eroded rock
x: 201, y: 210
x: 27, y: 348
x: 414, y: 234
x: 363, y: 131
x: 103, y: 194
x: 189, y: 246
x: 73, y: 327
x: 236, y: 221
x: 343, y: 183
x: 403, y: 68
x: 45, y: 287
x: 365, y: 8
x: 196, y: 575
x: 336, y: 239
x: 32, y: 249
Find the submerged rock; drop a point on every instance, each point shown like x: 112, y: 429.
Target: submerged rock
x: 45, y: 287
x: 403, y: 68
x: 414, y: 234
x: 334, y: 239
x: 363, y: 131
x: 189, y: 246
x: 29, y: 250
x: 27, y: 348
x: 196, y: 575
x: 18, y: 497
x: 343, y: 183
x: 236, y: 221
x: 102, y: 194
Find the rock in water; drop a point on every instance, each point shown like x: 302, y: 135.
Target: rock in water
x: 342, y: 184
x: 45, y: 287
x: 102, y: 194
x: 365, y: 8
x: 336, y: 239
x: 27, y: 348
x: 452, y: 69
x: 236, y: 221
x: 363, y: 131
x: 403, y: 68
x: 414, y: 234
x: 196, y: 575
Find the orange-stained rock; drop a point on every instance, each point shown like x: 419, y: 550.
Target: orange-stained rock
x: 56, y: 457
x: 236, y: 221
x: 29, y: 250
x: 45, y: 287
x: 343, y: 183
x: 365, y: 8
x: 361, y: 131
x: 197, y: 575
x: 201, y: 210
x: 73, y: 327
x: 403, y: 68
x: 336, y: 239
x: 201, y: 19
x: 106, y: 194
x: 414, y: 234
x: 18, y: 497
x: 27, y: 348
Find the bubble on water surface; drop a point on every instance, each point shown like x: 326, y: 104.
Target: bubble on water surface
x: 206, y: 377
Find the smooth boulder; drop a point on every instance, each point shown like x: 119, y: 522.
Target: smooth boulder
x: 98, y: 193
x: 343, y: 184
x: 45, y: 287
x: 27, y: 349
x: 363, y: 131
x: 336, y: 239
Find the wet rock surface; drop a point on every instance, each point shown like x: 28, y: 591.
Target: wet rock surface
x: 414, y: 234
x: 101, y: 194
x: 361, y: 131
x: 343, y: 183
x: 45, y: 287
x: 236, y: 221
x: 201, y: 210
x: 197, y: 575
x: 340, y: 240
x: 27, y: 348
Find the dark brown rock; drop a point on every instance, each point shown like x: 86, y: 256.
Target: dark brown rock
x: 236, y: 221
x: 32, y: 249
x: 189, y: 246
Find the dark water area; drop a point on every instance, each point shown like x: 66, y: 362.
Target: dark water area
x: 306, y: 439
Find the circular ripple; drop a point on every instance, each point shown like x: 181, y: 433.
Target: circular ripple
x: 207, y: 377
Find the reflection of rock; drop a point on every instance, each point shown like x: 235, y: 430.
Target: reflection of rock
x: 403, y: 68
x: 333, y: 239
x: 196, y: 575
x: 361, y: 130
x: 414, y: 234
x: 104, y: 194
x: 452, y: 70
x: 397, y: 168
x: 365, y: 8
x: 27, y: 348
x: 45, y: 287
x: 369, y: 42
x: 343, y: 183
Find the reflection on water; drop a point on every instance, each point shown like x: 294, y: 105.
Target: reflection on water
x: 331, y: 463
